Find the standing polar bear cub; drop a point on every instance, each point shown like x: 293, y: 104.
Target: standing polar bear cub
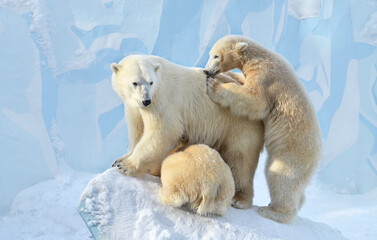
x: 164, y: 101
x: 197, y: 175
x: 271, y: 93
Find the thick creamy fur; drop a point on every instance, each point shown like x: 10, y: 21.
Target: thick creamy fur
x: 197, y: 176
x: 180, y: 107
x: 271, y: 93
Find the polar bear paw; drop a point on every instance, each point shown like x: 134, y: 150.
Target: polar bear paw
x: 128, y: 168
x: 276, y: 216
x: 213, y: 86
x: 241, y: 203
x: 119, y: 160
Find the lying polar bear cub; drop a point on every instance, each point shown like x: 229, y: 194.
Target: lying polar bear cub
x: 196, y: 175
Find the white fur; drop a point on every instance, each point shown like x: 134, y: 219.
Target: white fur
x: 271, y: 93
x: 180, y: 106
x: 197, y: 176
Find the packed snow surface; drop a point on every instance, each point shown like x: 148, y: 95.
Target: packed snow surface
x: 57, y: 104
x: 47, y: 210
x: 126, y: 206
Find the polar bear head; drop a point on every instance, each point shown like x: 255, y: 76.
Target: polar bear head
x: 226, y: 54
x: 135, y: 79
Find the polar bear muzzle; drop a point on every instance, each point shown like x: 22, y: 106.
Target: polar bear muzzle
x: 147, y: 102
x: 211, y: 73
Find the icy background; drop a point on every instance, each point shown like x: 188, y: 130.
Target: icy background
x: 58, y: 110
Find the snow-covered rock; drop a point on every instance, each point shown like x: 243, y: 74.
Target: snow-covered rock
x: 120, y: 207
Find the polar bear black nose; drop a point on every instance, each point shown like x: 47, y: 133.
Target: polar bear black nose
x: 206, y: 72
x: 147, y: 102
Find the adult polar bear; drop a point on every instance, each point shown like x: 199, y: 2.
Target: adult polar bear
x: 164, y: 101
x: 271, y: 93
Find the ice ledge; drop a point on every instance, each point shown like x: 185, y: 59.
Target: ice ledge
x: 118, y: 207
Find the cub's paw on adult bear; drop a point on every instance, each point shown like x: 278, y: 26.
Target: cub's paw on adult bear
x: 212, y: 85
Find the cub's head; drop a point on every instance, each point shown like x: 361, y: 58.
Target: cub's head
x: 135, y: 80
x: 226, y: 55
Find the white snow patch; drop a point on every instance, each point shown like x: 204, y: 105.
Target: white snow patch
x: 47, y: 211
x: 83, y: 58
x: 32, y: 120
x: 304, y: 8
x: 40, y: 24
x: 127, y: 206
x: 305, y: 72
x: 354, y: 214
x: 86, y: 26
x: 368, y: 34
x: 18, y: 6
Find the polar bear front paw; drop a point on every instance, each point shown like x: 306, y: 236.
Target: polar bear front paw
x: 213, y: 86
x: 119, y: 160
x: 128, y: 168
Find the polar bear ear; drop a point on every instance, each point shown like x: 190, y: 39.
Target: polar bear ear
x: 240, y: 46
x: 156, y: 67
x: 115, y: 67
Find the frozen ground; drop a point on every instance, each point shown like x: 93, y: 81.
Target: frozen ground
x: 48, y: 211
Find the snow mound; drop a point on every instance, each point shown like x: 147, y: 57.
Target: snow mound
x: 115, y: 206
x: 46, y: 211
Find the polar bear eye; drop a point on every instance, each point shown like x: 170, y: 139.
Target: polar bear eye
x: 216, y: 56
x: 134, y: 83
x: 151, y: 83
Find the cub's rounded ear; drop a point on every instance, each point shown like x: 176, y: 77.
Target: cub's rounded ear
x: 156, y: 67
x: 115, y: 67
x: 240, y: 46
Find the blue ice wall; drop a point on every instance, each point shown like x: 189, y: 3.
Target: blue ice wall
x: 57, y: 107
